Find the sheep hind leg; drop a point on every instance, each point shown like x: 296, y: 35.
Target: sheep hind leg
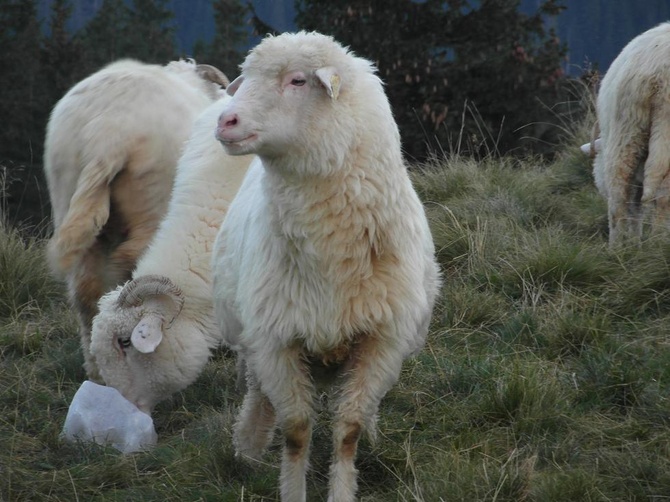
x: 661, y: 211
x: 625, y: 193
x: 86, y: 286
x: 657, y: 167
x: 256, y: 421
x: 372, y: 370
x: 124, y: 257
x: 98, y: 272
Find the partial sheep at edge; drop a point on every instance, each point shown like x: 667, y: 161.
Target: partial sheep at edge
x: 632, y: 155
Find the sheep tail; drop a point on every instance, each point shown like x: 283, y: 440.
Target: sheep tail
x: 87, y: 215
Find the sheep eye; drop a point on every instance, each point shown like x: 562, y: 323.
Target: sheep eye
x: 124, y: 343
x: 298, y: 82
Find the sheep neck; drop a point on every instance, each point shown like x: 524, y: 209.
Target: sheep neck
x: 332, y: 231
x: 324, y: 210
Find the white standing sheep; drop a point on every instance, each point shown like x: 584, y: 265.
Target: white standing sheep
x: 111, y: 149
x: 325, y: 260
x: 153, y: 335
x: 632, y: 165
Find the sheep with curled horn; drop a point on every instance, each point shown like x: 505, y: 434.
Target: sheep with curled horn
x: 111, y: 150
x: 153, y: 336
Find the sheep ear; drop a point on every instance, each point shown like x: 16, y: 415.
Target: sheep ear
x: 148, y: 333
x: 234, y: 85
x: 330, y: 78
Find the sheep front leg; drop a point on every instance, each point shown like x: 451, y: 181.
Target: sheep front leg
x: 374, y: 367
x: 285, y: 380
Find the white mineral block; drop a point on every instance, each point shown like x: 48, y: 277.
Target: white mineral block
x: 102, y: 415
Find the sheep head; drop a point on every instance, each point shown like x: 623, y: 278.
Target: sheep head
x: 293, y: 93
x: 159, y: 300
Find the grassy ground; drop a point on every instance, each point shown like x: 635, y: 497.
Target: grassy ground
x: 545, y: 377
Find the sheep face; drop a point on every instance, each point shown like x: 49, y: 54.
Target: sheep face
x: 286, y: 108
x: 115, y: 356
x: 246, y: 129
x: 271, y: 129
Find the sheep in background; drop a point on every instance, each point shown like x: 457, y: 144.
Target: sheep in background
x: 153, y: 335
x: 632, y: 164
x: 112, y: 144
x: 325, y: 260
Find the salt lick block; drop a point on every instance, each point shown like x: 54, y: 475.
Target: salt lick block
x: 102, y: 415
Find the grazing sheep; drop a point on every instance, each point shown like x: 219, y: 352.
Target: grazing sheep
x: 633, y: 162
x: 153, y: 335
x: 324, y: 266
x: 112, y: 144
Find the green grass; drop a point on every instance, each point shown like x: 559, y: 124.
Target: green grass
x: 546, y: 375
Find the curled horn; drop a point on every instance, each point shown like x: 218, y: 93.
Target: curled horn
x: 213, y: 74
x: 138, y: 290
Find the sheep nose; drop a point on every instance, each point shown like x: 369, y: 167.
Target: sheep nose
x: 228, y: 121
x: 227, y: 129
